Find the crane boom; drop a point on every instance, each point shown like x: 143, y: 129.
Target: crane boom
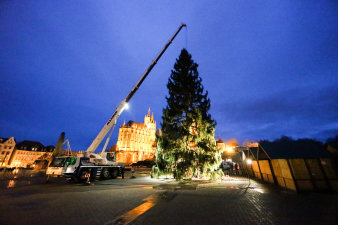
x: 112, y: 120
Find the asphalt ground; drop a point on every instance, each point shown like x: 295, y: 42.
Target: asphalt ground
x: 143, y: 200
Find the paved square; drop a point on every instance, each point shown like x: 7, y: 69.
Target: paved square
x: 147, y: 201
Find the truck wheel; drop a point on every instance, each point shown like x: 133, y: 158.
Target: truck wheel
x: 105, y: 173
x: 114, y: 173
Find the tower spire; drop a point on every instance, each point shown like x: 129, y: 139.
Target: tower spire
x: 149, y: 112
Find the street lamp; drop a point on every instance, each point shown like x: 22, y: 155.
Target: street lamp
x: 230, y: 149
x: 248, y: 162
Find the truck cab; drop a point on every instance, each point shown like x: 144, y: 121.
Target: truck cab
x: 62, y: 165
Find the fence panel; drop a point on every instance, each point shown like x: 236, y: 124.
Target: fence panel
x: 266, y: 171
x: 329, y: 166
x: 283, y: 174
x: 317, y: 174
x: 301, y: 174
x: 256, y: 169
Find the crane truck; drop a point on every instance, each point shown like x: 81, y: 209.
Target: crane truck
x: 89, y: 165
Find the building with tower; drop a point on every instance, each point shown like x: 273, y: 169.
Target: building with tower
x: 136, y: 141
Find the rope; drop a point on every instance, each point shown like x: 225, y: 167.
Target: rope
x: 186, y: 37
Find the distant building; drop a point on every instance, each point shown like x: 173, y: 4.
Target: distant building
x: 136, y: 141
x: 6, y: 149
x: 220, y: 144
x: 27, y: 152
x: 229, y: 148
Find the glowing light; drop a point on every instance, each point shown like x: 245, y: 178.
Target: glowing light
x: 126, y: 106
x: 11, y: 184
x: 230, y: 149
x: 249, y: 161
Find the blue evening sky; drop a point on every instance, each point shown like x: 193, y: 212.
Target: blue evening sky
x: 270, y: 66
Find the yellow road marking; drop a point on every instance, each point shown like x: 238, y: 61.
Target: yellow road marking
x: 136, y: 212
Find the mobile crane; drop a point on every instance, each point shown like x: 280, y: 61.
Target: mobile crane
x: 90, y: 165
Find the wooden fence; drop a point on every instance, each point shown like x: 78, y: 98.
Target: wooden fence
x: 319, y: 174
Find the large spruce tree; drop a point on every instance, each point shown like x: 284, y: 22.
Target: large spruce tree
x: 186, y: 145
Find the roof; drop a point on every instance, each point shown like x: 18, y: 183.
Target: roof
x: 302, y: 148
x: 2, y: 140
x: 220, y: 141
x: 10, y: 140
x: 50, y: 148
x: 29, y: 145
x: 261, y: 154
x: 134, y: 124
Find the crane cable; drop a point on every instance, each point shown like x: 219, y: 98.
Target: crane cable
x: 186, y: 37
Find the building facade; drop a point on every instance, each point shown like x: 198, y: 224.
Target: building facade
x: 136, y: 141
x: 27, y: 152
x: 6, y: 149
x: 23, y: 154
x: 24, y: 158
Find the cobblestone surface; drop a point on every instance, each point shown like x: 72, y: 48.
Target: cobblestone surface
x: 237, y: 202
x: 232, y: 201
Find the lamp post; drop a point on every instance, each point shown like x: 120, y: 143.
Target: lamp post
x: 248, y: 162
